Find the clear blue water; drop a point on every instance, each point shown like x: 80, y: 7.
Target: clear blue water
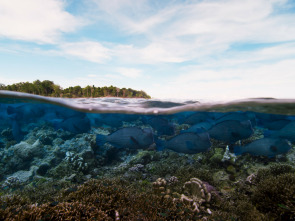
x: 185, y: 127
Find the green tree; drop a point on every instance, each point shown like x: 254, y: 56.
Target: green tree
x: 37, y: 85
x: 77, y: 91
x: 48, y: 88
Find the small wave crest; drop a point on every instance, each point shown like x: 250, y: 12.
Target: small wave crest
x: 154, y: 106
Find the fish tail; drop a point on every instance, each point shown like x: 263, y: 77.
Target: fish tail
x: 16, y: 131
x: 100, y: 140
x: 160, y: 144
x: 11, y: 110
x: 238, y: 150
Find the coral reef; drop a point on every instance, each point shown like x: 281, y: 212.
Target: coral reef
x: 54, y: 174
x: 95, y: 199
x: 11, y: 182
x: 76, y: 162
x: 196, y: 194
x: 160, y: 187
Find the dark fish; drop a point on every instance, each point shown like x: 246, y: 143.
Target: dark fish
x: 198, y: 128
x: 264, y: 147
x: 26, y: 112
x: 287, y: 132
x: 112, y: 120
x: 231, y: 131
x: 16, y: 131
x: 272, y: 121
x: 75, y: 125
x: 276, y: 125
x: 15, y: 127
x: 197, y: 117
x: 128, y: 137
x: 238, y: 116
x: 189, y: 143
x: 64, y: 113
x: 161, y: 125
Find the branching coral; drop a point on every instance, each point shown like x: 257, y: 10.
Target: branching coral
x: 195, y: 194
x: 160, y: 188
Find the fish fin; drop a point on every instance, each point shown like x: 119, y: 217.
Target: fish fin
x: 147, y: 130
x: 77, y: 129
x: 100, y: 140
x: 160, y: 144
x: 200, y: 130
x: 204, y: 135
x: 268, y: 133
x: 134, y: 141
x: 56, y: 124
x: 238, y: 150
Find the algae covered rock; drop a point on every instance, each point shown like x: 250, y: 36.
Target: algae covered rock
x: 217, y: 156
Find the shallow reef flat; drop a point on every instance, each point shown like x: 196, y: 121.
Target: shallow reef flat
x: 57, y: 163
x: 75, y: 179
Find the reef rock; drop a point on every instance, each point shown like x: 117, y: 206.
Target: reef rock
x: 27, y: 151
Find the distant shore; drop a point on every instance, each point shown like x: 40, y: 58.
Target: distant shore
x: 50, y: 89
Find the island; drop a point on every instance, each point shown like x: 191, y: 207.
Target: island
x: 49, y: 88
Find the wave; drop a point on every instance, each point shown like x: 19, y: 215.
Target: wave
x: 154, y: 106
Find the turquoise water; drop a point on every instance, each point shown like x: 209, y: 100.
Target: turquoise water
x: 91, y: 137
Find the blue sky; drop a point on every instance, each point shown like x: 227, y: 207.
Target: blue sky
x: 210, y: 49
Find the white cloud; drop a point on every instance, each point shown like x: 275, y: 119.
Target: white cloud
x: 272, y: 80
x: 42, y: 21
x: 130, y: 72
x: 189, y: 31
x: 87, y: 50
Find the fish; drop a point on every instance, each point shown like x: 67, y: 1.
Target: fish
x: 111, y: 120
x: 272, y: 121
x: 26, y: 112
x: 198, y: 128
x: 128, y: 137
x: 231, y: 131
x: 189, y: 143
x: 64, y: 113
x: 287, y: 132
x: 114, y: 120
x: 161, y: 125
x: 276, y: 125
x: 197, y: 117
x: 16, y: 131
x: 268, y: 147
x: 238, y: 116
x: 75, y: 125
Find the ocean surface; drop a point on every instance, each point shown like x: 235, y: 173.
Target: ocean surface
x: 194, y: 152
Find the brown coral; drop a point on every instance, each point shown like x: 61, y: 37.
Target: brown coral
x: 160, y: 188
x: 195, y: 194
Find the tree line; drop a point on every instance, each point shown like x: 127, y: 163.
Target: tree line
x: 48, y: 88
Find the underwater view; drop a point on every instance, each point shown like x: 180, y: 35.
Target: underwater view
x: 139, y: 159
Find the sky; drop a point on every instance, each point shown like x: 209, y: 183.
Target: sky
x: 171, y: 49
